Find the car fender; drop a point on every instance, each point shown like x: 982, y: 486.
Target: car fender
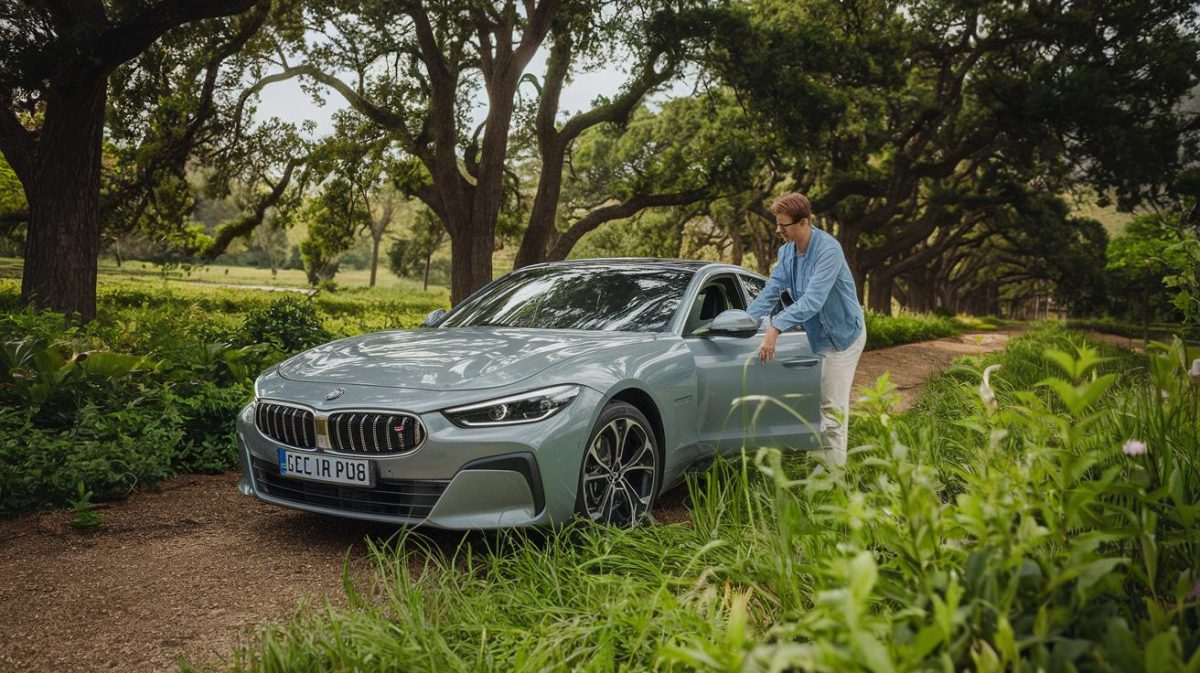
x: 663, y: 369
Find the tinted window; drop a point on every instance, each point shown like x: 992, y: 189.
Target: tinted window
x: 718, y: 294
x: 593, y: 298
x: 753, y: 285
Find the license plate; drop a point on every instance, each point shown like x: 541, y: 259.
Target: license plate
x: 320, y: 467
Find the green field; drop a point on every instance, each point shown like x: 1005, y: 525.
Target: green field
x: 155, y: 274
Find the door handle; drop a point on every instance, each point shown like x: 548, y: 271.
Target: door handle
x: 800, y: 362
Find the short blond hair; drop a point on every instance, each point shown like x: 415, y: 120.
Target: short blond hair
x: 794, y: 205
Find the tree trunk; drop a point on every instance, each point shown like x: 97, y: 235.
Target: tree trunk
x: 880, y: 297
x: 536, y: 242
x: 63, y: 245
x: 470, y: 263
x: 736, y: 251
x: 425, y: 278
x: 921, y: 293
x: 760, y: 243
x: 849, y: 238
x: 375, y: 257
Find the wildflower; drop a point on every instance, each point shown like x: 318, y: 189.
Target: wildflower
x: 1194, y: 372
x: 1134, y: 448
x: 985, y: 389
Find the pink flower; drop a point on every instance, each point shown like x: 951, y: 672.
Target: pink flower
x: 1134, y: 448
x: 1195, y: 591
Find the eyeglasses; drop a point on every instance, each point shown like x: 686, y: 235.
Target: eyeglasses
x: 786, y: 224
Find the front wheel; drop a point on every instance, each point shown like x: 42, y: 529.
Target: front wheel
x: 619, y: 477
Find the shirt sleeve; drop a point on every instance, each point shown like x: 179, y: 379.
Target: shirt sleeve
x: 825, y: 272
x: 767, y: 298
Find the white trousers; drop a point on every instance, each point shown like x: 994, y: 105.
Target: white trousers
x: 837, y: 377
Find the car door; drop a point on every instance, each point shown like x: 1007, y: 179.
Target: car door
x: 739, y: 400
x: 794, y: 379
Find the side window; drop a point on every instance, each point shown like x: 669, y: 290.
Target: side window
x: 753, y: 285
x: 718, y: 294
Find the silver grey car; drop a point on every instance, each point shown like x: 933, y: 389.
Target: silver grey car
x: 582, y: 388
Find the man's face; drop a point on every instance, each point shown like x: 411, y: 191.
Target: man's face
x: 788, y: 229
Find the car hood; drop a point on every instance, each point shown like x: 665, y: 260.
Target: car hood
x: 462, y: 358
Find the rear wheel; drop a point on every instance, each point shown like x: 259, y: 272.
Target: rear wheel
x: 620, y: 474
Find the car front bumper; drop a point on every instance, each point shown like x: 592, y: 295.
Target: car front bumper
x: 459, y: 478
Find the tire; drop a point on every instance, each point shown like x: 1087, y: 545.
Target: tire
x: 621, y: 469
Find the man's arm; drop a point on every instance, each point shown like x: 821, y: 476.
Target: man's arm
x: 765, y: 301
x: 828, y: 265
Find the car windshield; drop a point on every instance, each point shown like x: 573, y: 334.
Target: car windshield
x: 604, y: 298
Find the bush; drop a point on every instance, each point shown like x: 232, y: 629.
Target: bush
x: 291, y: 323
x: 152, y: 387
x: 884, y: 331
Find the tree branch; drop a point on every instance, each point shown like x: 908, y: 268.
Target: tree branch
x: 243, y: 226
x: 375, y: 113
x: 619, y: 109
x: 16, y: 142
x: 558, y: 63
x: 618, y: 211
x: 126, y: 41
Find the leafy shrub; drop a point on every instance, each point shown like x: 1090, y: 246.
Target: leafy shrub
x: 883, y: 331
x: 290, y: 323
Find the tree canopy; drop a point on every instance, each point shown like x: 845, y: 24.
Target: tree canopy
x: 944, y: 143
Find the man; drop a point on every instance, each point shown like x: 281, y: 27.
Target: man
x: 812, y: 270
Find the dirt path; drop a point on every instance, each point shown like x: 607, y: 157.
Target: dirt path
x: 190, y: 570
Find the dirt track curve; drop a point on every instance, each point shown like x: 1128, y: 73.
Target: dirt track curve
x: 191, y: 569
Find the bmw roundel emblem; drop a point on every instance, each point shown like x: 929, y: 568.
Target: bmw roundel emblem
x: 335, y: 393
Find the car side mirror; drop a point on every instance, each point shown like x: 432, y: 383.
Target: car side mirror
x: 434, y: 318
x: 734, y: 323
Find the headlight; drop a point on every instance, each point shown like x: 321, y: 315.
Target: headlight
x: 516, y: 409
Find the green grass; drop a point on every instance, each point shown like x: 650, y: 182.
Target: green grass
x: 1158, y: 330
x: 213, y: 274
x: 960, y: 537
x: 884, y: 331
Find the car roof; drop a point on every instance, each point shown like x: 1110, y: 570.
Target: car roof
x: 692, y: 265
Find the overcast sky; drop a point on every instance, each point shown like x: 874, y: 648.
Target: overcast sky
x: 286, y: 101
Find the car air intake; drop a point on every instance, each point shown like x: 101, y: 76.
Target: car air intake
x: 374, y: 433
x: 288, y: 425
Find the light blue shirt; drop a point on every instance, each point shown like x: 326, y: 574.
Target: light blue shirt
x: 826, y: 302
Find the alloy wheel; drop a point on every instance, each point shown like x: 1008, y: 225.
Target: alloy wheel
x: 619, y: 473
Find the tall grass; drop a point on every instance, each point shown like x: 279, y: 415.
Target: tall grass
x: 963, y: 535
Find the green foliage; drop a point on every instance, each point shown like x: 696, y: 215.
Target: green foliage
x: 152, y: 387
x: 412, y: 256
x: 86, y: 516
x: 960, y: 537
x: 1153, y: 270
x: 859, y: 100
x: 13, y: 209
x: 1184, y: 280
x: 290, y: 323
x: 334, y: 217
x: 883, y: 331
x: 652, y: 233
